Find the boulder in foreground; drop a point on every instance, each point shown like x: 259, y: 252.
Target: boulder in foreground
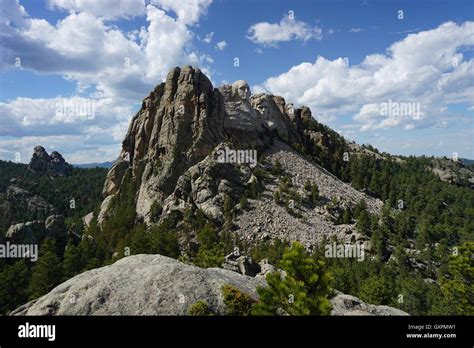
x: 159, y: 285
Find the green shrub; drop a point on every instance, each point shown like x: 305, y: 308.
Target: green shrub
x: 200, y: 308
x: 304, y: 290
x: 155, y: 211
x: 236, y: 302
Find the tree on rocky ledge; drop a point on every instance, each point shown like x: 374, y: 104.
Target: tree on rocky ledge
x: 303, y: 290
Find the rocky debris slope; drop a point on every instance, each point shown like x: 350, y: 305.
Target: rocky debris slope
x: 158, y: 285
x: 266, y: 219
x: 53, y: 165
x: 301, y: 170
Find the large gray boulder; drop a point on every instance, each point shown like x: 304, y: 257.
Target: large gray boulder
x: 159, y: 285
x: 55, y: 227
x: 140, y: 285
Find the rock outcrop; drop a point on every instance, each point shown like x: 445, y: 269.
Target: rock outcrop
x: 452, y: 171
x: 180, y: 123
x: 158, y: 285
x: 343, y: 305
x: 169, y: 152
x: 53, y: 165
x: 18, y: 199
x: 34, y: 232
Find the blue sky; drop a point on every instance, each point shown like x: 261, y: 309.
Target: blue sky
x: 73, y: 72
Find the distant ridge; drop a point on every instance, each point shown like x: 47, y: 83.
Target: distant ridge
x: 107, y: 165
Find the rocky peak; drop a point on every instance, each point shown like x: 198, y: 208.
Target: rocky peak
x: 53, y: 164
x: 40, y: 160
x: 180, y: 123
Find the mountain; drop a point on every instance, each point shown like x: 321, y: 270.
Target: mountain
x: 217, y: 177
x: 106, y: 165
x: 171, y: 155
x: 255, y: 173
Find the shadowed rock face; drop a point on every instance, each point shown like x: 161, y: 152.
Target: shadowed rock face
x: 53, y: 164
x: 23, y: 200
x: 180, y: 123
x: 34, y: 232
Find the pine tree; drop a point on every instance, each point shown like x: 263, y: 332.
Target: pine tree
x: 346, y: 216
x: 211, y: 250
x: 304, y: 290
x: 14, y: 281
x: 228, y: 204
x: 277, y: 197
x: 457, y: 285
x: 363, y: 223
x: 243, y: 201
x: 376, y: 290
x: 72, y: 262
x: 277, y: 168
x: 47, y: 273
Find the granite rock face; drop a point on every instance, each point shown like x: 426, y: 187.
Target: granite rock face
x: 171, y: 156
x: 180, y: 124
x: 23, y: 200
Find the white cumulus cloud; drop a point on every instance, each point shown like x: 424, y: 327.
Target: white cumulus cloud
x: 188, y: 11
x: 427, y: 68
x: 109, y: 9
x: 221, y: 45
x: 287, y: 29
x: 116, y: 68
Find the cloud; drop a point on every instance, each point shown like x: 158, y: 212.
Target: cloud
x: 75, y: 148
x: 426, y: 68
x: 208, y: 37
x: 108, y: 9
x: 117, y: 68
x: 356, y: 30
x: 165, y: 42
x: 188, y: 11
x: 57, y: 116
x: 81, y: 128
x: 116, y: 64
x: 270, y: 34
x: 221, y: 45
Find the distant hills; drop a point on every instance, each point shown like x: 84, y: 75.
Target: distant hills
x: 107, y: 165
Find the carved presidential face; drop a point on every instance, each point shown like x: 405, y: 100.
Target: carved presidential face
x: 262, y: 106
x: 241, y: 89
